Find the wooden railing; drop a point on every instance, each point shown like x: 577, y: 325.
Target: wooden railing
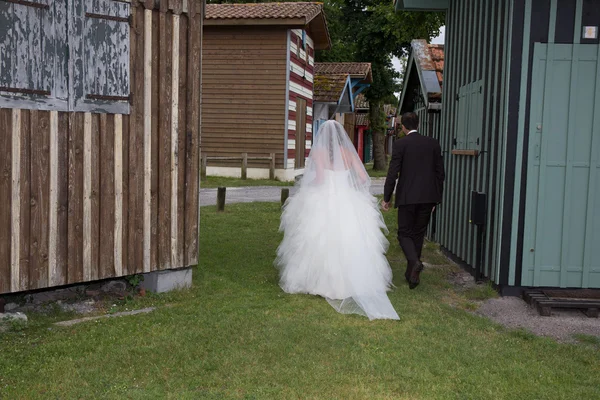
x: 244, y: 164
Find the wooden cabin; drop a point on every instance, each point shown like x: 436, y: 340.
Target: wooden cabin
x: 422, y: 85
x: 359, y: 78
x: 521, y: 139
x: 258, y: 69
x: 332, y: 98
x: 100, y: 122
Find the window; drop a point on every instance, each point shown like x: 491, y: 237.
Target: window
x: 42, y: 40
x: 470, y: 117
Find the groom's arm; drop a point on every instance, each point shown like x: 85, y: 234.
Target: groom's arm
x: 393, y: 171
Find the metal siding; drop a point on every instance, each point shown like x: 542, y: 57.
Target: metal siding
x: 477, y: 40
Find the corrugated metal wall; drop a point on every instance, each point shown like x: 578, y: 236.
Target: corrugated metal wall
x: 477, y: 49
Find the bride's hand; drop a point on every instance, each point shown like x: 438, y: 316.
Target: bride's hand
x: 385, y: 205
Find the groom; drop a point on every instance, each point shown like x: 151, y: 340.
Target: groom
x: 418, y: 166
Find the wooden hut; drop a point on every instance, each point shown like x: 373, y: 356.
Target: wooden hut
x: 521, y: 138
x: 100, y: 122
x: 258, y: 85
x: 360, y: 78
x: 333, y: 98
x: 422, y: 85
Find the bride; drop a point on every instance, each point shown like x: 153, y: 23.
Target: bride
x: 333, y: 245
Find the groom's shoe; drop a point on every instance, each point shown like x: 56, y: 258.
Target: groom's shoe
x: 415, y: 273
x: 407, y: 273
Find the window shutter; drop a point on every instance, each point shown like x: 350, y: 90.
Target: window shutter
x: 102, y: 57
x: 461, y: 131
x: 32, y: 52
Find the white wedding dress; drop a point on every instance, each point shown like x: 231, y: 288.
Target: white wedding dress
x: 334, y: 247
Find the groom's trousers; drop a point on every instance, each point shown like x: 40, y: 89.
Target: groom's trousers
x: 412, y: 225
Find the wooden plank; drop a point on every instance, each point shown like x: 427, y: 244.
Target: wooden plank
x: 193, y: 141
x: 53, y: 201
x: 62, y: 243
x: 136, y: 222
x: 125, y: 196
x: 40, y: 165
x: 589, y: 244
x: 147, y: 203
x: 154, y: 147
x: 473, y: 153
x: 79, y: 220
x: 107, y: 196
x: 175, y: 262
x: 8, y: 265
x: 25, y: 193
x: 95, y: 197
x: 570, y: 155
x: 163, y: 171
x: 118, y: 200
x: 15, y: 201
x: 183, y: 82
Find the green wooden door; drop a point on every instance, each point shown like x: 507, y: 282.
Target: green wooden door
x: 562, y: 220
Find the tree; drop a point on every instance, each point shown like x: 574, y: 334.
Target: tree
x: 372, y: 31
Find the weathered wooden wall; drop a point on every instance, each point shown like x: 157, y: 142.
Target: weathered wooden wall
x: 244, y: 88
x: 86, y: 196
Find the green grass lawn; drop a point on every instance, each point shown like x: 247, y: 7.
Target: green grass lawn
x: 236, y: 335
x: 375, y: 174
x: 216, y: 181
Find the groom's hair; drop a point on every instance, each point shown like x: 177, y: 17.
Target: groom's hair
x: 410, y: 120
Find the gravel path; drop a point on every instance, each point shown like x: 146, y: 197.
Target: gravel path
x: 514, y: 313
x: 249, y: 194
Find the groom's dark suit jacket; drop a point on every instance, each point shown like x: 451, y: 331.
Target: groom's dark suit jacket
x: 417, y: 164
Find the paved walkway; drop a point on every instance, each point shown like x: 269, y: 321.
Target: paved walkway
x: 249, y: 194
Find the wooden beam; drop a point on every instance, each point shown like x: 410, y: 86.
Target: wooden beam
x: 118, y: 235
x: 147, y: 204
x: 473, y: 153
x: 53, y: 212
x: 175, y: 262
x: 87, y: 197
x: 16, y: 201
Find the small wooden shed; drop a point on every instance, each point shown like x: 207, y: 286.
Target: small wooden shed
x: 258, y: 70
x: 422, y: 85
x: 520, y: 131
x: 99, y: 143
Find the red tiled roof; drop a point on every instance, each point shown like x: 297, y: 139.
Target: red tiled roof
x: 437, y: 57
x: 361, y: 102
x: 362, y: 119
x: 264, y: 11
x: 329, y: 88
x: 362, y: 70
x: 429, y: 57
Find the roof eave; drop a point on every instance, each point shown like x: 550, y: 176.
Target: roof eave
x: 320, y: 31
x: 287, y: 22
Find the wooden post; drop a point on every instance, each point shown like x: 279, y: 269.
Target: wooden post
x: 203, y: 167
x: 272, y: 167
x: 221, y: 199
x: 244, y: 166
x: 285, y: 193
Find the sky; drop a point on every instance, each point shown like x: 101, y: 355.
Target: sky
x: 437, y: 40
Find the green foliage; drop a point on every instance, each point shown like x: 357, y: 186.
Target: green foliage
x: 135, y: 280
